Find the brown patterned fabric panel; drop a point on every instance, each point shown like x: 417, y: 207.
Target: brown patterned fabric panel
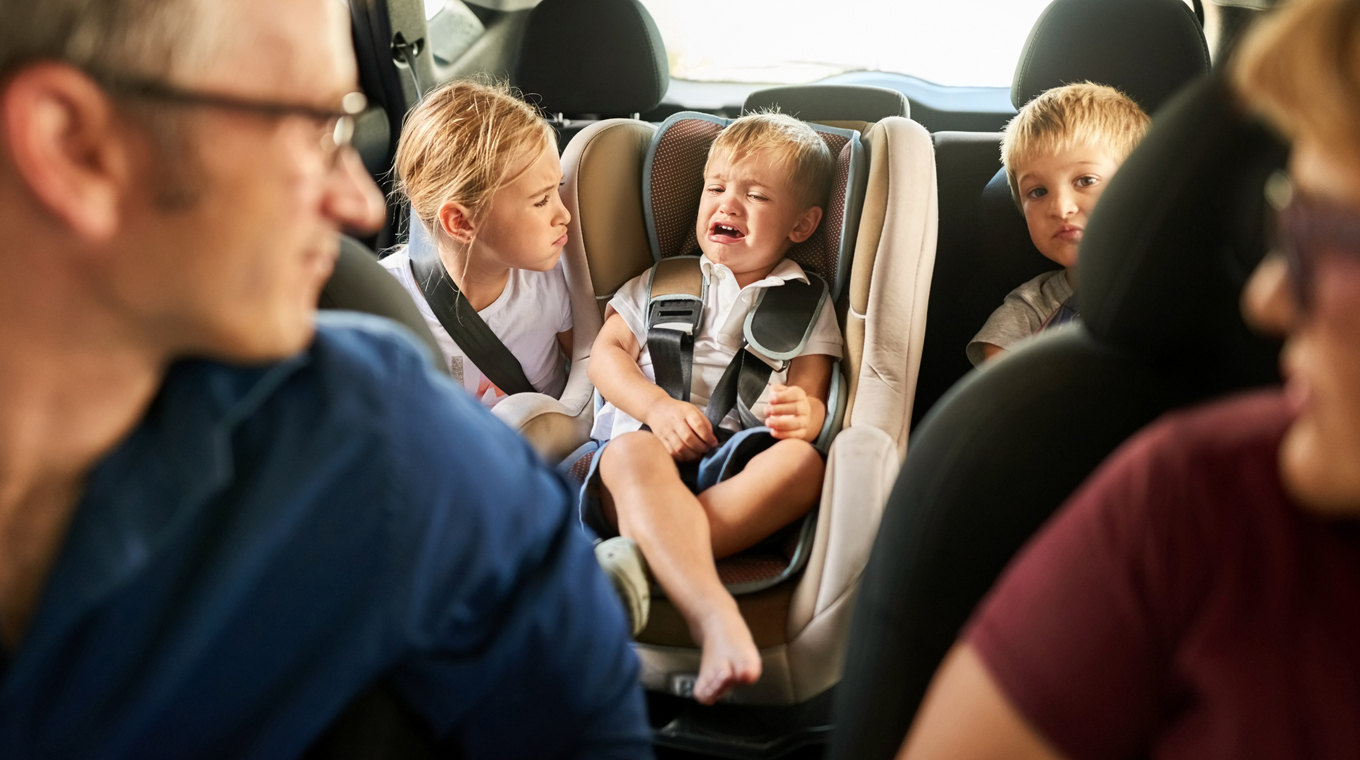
x: 676, y: 184
x: 821, y: 252
x: 751, y: 567
x: 581, y: 467
x: 677, y: 181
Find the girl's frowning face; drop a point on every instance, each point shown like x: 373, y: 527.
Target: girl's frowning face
x: 526, y: 224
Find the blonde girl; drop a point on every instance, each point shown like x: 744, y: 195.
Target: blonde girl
x: 481, y: 172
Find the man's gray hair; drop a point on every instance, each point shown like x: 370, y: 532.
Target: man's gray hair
x: 149, y: 37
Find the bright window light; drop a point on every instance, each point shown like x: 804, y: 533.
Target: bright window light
x: 950, y: 42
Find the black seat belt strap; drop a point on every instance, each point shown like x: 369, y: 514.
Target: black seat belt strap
x: 459, y: 319
x: 740, y: 386
x: 675, y: 309
x: 776, y: 330
x: 672, y: 361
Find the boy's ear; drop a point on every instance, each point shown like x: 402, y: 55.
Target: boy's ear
x: 806, y: 224
x: 457, y: 222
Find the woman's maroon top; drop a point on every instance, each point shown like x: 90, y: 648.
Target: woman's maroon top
x: 1182, y: 606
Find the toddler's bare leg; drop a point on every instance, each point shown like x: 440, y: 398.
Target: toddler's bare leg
x: 654, y: 508
x: 776, y: 487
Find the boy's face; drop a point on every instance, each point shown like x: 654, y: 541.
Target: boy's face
x: 1058, y: 192
x: 751, y: 213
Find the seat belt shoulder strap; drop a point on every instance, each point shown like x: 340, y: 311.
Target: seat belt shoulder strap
x: 459, y: 319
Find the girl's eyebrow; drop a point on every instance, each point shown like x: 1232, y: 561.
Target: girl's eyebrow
x: 546, y: 189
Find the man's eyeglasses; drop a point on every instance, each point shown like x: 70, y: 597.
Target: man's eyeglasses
x: 1307, y: 229
x: 337, y: 126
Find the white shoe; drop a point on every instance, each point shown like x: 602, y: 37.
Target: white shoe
x: 623, y: 563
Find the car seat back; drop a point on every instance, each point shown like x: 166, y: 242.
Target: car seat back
x: 1146, y: 49
x: 359, y: 283
x: 841, y: 105
x: 1163, y: 263
x: 799, y: 624
x: 585, y: 60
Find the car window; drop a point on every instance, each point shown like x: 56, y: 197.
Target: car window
x: 959, y: 42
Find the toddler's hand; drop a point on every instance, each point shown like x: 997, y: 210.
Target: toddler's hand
x: 682, y: 429
x: 789, y: 413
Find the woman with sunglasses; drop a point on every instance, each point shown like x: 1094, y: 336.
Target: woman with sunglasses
x: 1199, y: 597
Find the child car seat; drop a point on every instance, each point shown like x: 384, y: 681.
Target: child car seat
x: 881, y: 277
x: 1163, y: 264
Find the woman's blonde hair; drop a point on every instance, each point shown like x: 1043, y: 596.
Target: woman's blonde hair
x: 1075, y: 114
x: 465, y: 141
x: 1301, y: 69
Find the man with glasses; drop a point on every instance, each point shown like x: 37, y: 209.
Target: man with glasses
x: 222, y: 517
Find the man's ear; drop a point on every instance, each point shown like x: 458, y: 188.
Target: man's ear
x: 806, y: 224
x: 456, y: 222
x: 63, y: 139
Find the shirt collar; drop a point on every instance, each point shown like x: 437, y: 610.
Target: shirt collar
x: 786, y: 270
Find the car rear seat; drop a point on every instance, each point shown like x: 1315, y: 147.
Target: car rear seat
x: 1145, y: 48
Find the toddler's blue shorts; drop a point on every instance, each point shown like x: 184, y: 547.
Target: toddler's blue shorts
x: 718, y: 464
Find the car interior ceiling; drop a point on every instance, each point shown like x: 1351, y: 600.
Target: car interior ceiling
x: 1129, y: 364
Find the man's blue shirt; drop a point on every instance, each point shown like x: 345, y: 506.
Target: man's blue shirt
x: 269, y: 541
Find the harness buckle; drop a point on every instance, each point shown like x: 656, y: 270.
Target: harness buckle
x: 679, y: 313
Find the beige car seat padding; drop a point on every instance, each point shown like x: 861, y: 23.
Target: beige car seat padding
x: 892, y: 278
x: 609, y: 202
x: 860, y: 471
x: 677, y: 277
x: 766, y: 613
x: 813, y: 612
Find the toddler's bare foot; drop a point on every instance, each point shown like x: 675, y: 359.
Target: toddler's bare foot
x: 730, y: 658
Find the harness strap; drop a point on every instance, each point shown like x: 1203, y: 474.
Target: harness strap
x: 675, y: 309
x: 776, y: 330
x: 672, y: 360
x: 462, y: 322
x: 740, y: 385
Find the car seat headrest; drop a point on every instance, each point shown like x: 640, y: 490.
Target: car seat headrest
x: 1012, y: 257
x: 1145, y: 48
x: 824, y: 102
x: 673, y: 179
x: 600, y: 57
x: 1176, y: 236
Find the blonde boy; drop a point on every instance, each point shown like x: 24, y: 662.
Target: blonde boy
x: 1059, y: 152
x: 657, y: 481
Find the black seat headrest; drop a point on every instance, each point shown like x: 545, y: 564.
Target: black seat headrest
x: 600, y: 57
x: 830, y: 102
x: 1145, y: 48
x: 1176, y: 236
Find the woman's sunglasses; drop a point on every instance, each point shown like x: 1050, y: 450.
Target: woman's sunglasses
x: 1306, y: 230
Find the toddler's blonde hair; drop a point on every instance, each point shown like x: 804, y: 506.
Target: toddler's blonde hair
x: 793, y: 142
x: 1076, y: 114
x: 1301, y: 67
x: 465, y: 141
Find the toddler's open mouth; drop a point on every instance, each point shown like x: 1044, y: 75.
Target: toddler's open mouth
x: 724, y: 233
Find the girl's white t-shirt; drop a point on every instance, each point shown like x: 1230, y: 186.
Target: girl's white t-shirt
x: 528, y: 315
